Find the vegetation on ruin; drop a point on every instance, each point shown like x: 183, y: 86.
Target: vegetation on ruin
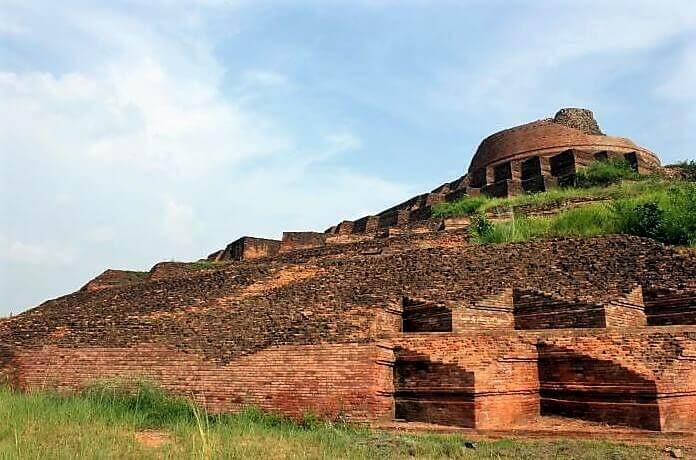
x: 107, y: 421
x: 652, y: 207
x: 667, y: 214
x: 603, y: 173
x: 201, y: 265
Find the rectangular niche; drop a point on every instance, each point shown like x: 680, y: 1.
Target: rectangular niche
x: 530, y: 173
x: 502, y: 172
x: 632, y: 160
x: 422, y: 316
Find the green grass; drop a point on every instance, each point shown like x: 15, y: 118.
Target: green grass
x: 661, y: 209
x: 202, y: 265
x: 588, y: 220
x: 603, y: 173
x: 470, y: 205
x: 104, y: 422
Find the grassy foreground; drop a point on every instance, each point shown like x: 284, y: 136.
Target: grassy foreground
x: 108, y: 422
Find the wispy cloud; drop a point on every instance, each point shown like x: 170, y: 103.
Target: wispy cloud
x: 29, y: 253
x: 133, y: 133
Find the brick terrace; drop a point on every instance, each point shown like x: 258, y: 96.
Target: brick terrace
x: 420, y: 327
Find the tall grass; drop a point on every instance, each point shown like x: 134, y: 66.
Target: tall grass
x: 606, y: 172
x: 469, y: 205
x: 585, y: 221
x: 667, y: 214
x: 104, y: 422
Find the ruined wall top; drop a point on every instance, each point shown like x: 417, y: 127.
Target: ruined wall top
x: 580, y: 119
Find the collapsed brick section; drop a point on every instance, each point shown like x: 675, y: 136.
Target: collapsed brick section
x: 580, y: 119
x: 111, y: 278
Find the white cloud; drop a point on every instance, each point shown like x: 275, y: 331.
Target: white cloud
x: 136, y: 114
x: 34, y: 253
x: 544, y: 37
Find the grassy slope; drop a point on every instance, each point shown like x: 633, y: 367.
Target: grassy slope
x: 617, y: 214
x: 104, y: 424
x: 557, y: 196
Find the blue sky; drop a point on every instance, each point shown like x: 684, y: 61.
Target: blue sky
x: 134, y: 132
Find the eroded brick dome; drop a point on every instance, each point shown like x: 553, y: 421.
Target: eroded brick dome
x: 570, y: 129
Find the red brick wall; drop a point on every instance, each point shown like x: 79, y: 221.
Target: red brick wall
x: 470, y: 380
x: 626, y: 311
x: 642, y: 377
x: 354, y: 380
x: 666, y: 306
x: 254, y: 248
x: 301, y: 240
x: 492, y: 312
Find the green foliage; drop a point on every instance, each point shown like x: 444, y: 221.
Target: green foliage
x: 519, y: 229
x: 465, y: 206
x: 201, y: 265
x: 640, y: 219
x: 679, y: 210
x: 603, y: 173
x: 654, y: 208
x: 667, y: 214
x: 480, y: 227
x: 554, y: 197
x: 106, y: 419
x: 585, y: 221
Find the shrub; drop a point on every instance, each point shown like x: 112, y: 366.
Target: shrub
x: 603, y: 173
x: 520, y: 229
x: 668, y: 215
x: 480, y: 227
x: 640, y: 219
x: 584, y: 221
x: 680, y: 214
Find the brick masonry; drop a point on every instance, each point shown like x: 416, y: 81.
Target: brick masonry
x: 329, y: 380
x: 325, y: 330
